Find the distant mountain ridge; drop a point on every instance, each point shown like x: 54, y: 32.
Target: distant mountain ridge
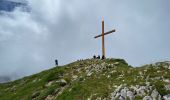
x: 93, y: 79
x: 4, y: 79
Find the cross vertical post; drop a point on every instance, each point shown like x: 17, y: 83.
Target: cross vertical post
x: 103, y: 46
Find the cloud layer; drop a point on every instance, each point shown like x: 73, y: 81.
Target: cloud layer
x: 64, y: 30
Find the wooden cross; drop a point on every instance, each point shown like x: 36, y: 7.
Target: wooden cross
x: 102, y: 35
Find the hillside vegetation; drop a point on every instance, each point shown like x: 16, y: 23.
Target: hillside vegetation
x: 93, y: 79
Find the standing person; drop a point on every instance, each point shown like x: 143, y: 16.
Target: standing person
x: 56, y: 62
x: 94, y: 57
x: 98, y: 57
x: 103, y: 57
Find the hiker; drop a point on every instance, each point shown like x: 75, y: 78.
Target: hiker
x: 103, y: 57
x: 56, y: 62
x: 98, y: 57
x: 94, y: 57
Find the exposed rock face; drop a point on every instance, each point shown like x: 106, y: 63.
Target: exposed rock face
x: 123, y: 92
x: 98, y: 67
x: 95, y: 68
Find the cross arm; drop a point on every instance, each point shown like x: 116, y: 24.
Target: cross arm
x: 109, y: 32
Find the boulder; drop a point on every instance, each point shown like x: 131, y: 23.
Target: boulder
x: 35, y: 94
x: 49, y: 83
x: 57, y: 90
x: 123, y: 93
x: 147, y: 83
x: 118, y: 88
x: 89, y: 73
x: 74, y: 77
x: 159, y: 97
x: 166, y: 80
x: 116, y: 63
x: 115, y: 95
x: 62, y: 82
x: 167, y: 87
x: 154, y: 94
x: 121, y: 98
x: 99, y: 98
x: 147, y: 98
x: 50, y: 97
x: 140, y: 92
x: 166, y: 97
x: 130, y: 95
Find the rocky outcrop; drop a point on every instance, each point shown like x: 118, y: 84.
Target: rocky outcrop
x: 124, y: 92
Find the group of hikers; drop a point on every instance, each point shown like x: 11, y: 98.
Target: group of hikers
x: 94, y: 57
x: 98, y: 57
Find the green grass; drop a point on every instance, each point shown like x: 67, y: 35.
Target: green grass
x: 84, y: 87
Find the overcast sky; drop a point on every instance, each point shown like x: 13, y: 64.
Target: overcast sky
x: 64, y: 30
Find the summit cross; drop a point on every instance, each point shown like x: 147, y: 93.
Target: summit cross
x: 102, y: 35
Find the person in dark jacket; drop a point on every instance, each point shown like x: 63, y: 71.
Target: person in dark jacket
x: 98, y: 57
x: 94, y: 57
x: 103, y: 57
x: 56, y: 62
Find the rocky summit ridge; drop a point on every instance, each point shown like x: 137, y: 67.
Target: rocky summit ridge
x: 93, y: 79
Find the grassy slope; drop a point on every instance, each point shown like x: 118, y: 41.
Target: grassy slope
x: 99, y: 84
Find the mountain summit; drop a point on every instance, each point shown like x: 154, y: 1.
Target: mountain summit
x: 93, y: 79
